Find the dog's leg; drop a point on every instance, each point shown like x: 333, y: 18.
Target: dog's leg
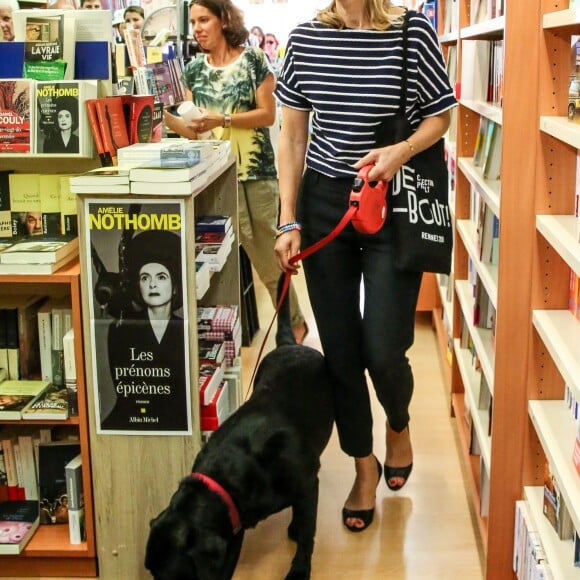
x: 302, y: 529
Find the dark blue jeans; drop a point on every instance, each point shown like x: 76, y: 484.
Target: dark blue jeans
x: 376, y: 340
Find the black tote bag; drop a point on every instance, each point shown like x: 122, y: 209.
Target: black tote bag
x: 418, y: 196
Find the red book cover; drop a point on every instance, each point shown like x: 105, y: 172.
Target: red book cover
x: 112, y: 125
x: 105, y: 157
x: 15, y: 120
x: 141, y: 118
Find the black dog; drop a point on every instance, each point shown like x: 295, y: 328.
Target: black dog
x: 263, y: 459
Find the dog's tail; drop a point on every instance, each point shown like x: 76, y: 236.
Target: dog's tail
x: 284, y: 334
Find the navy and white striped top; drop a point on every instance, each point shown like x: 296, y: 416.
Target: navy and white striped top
x: 351, y: 80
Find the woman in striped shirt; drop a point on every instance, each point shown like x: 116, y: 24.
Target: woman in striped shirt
x: 345, y: 68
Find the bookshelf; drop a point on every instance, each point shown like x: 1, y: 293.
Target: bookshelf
x: 504, y: 355
x: 135, y: 475
x: 49, y: 552
x: 554, y: 342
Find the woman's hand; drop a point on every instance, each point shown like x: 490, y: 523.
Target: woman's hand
x: 286, y: 246
x: 206, y: 122
x: 386, y: 160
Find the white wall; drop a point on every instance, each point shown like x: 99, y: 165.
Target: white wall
x: 277, y: 17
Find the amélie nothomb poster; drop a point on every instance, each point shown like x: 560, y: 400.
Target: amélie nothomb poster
x: 140, y: 344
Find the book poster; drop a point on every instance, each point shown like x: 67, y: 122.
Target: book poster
x: 140, y: 346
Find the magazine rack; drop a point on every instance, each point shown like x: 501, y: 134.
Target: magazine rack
x: 135, y: 474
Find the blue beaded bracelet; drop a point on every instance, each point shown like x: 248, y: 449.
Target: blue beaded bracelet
x: 288, y: 228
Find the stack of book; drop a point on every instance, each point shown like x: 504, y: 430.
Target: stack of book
x: 18, y: 522
x: 172, y: 166
x: 42, y: 254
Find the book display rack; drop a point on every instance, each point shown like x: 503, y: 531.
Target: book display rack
x: 50, y: 552
x: 123, y: 462
x: 514, y: 360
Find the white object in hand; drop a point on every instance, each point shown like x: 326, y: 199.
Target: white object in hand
x: 188, y: 111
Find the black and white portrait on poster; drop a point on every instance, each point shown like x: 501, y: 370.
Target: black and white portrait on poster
x: 140, y: 342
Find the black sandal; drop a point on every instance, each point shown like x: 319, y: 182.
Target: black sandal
x: 402, y: 472
x: 366, y: 516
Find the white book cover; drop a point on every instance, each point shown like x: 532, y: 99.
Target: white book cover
x: 475, y: 69
x: 28, y: 467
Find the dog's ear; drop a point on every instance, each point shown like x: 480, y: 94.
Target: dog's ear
x: 209, y: 554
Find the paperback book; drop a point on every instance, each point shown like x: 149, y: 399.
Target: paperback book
x: 18, y: 522
x: 16, y: 114
x: 43, y: 249
x: 51, y: 404
x: 44, y: 48
x: 16, y: 394
x: 62, y: 126
x: 25, y: 209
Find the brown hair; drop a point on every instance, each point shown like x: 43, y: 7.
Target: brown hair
x: 378, y: 11
x: 136, y: 10
x: 231, y: 16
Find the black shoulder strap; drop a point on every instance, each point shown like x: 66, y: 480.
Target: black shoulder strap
x: 405, y: 87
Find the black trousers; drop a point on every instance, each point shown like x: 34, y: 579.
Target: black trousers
x: 375, y: 340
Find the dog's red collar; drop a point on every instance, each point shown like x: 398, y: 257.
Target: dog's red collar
x: 214, y: 486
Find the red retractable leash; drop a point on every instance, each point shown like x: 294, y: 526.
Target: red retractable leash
x: 367, y: 210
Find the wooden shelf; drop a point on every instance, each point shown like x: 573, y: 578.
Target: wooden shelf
x: 556, y: 430
x: 487, y: 272
x: 49, y: 552
x: 560, y: 332
x: 562, y: 129
x: 559, y: 553
x: 472, y: 464
x: 493, y: 28
x: 488, y: 189
x: 482, y: 337
x: 492, y: 112
x: 472, y: 384
x: 560, y: 232
x: 561, y: 19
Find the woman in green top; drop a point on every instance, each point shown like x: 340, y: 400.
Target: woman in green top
x: 233, y: 85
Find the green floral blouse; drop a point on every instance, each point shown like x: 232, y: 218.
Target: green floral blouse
x: 232, y: 89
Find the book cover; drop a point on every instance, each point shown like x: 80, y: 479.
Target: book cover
x: 59, y: 328
x: 213, y: 223
x: 167, y: 153
x: 70, y: 372
x: 112, y: 125
x: 157, y: 126
x: 16, y: 394
x: 52, y: 460
x: 25, y: 210
x: 50, y: 405
x: 210, y: 378
x: 49, y: 185
x: 16, y: 115
x: 123, y: 336
x: 58, y: 117
x: 18, y: 522
x: 141, y: 118
x: 43, y: 249
x: 68, y: 209
x: 44, y: 57
x: 5, y: 217
x: 76, y: 523
x: 164, y: 90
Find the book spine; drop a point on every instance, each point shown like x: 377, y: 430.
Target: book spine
x: 57, y: 351
x: 45, y: 344
x: 76, y: 523
x: 11, y: 472
x: 104, y: 156
x: 19, y: 472
x: 70, y: 373
x: 29, y: 479
x: 3, y: 478
x: 74, y: 486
